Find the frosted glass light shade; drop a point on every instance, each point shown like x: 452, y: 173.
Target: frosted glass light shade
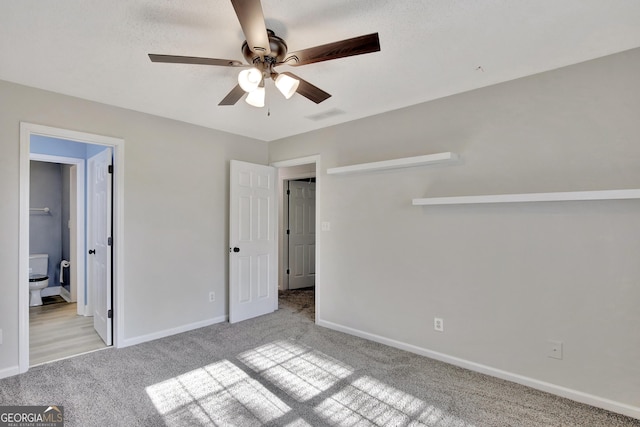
x: 287, y: 85
x: 256, y: 97
x: 249, y: 79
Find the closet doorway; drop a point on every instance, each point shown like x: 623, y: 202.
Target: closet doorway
x: 298, y: 240
x: 300, y: 233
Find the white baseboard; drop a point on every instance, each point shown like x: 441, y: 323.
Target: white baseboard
x: 9, y: 372
x: 50, y: 291
x: 173, y: 331
x: 65, y: 294
x: 578, y: 396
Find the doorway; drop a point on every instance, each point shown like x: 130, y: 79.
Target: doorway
x: 299, y: 242
x: 32, y: 135
x: 68, y: 207
x: 63, y: 324
x: 299, y: 233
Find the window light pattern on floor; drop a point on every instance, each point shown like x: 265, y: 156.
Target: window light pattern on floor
x: 215, y: 394
x: 367, y: 401
x: 300, y: 371
x: 319, y: 387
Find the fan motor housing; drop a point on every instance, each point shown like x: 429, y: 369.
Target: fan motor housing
x: 278, y: 51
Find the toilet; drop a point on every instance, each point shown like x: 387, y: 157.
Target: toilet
x: 38, y: 279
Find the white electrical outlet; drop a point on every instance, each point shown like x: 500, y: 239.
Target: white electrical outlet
x: 438, y: 324
x: 212, y: 296
x: 325, y: 226
x: 554, y: 349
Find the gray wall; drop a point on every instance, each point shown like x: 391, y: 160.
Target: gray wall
x: 175, y: 209
x: 45, y: 229
x: 505, y: 278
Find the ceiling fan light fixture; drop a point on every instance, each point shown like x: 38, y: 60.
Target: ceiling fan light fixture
x: 255, y: 98
x: 287, y: 85
x: 249, y: 79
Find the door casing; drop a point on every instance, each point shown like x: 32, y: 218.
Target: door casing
x: 314, y: 159
x: 26, y: 131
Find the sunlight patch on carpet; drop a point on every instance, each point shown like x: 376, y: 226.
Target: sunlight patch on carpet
x: 216, y: 394
x: 367, y: 401
x: 300, y: 371
x: 224, y: 394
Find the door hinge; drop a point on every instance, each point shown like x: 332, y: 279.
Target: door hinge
x: 288, y: 192
x: 288, y: 271
x: 110, y: 169
x: 288, y: 231
x: 109, y: 314
x: 109, y: 241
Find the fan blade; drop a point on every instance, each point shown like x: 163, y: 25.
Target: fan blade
x: 195, y: 60
x: 251, y: 19
x: 308, y: 90
x: 349, y: 47
x: 233, y: 96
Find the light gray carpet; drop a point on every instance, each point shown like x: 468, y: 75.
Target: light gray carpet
x: 282, y: 370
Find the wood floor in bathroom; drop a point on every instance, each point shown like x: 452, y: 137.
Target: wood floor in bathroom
x: 56, y: 331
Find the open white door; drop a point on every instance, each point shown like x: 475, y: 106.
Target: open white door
x: 99, y: 242
x: 302, y: 234
x: 252, y: 241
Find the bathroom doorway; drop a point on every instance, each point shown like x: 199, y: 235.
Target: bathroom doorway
x: 56, y: 213
x: 64, y: 324
x: 59, y: 325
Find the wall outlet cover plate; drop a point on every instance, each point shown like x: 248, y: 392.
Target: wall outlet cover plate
x: 554, y: 349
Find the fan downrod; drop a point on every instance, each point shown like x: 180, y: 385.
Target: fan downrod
x: 277, y: 54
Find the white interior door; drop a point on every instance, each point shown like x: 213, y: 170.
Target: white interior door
x: 72, y: 277
x: 99, y: 243
x: 302, y: 234
x: 252, y: 241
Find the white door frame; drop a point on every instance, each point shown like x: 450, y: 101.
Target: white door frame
x: 78, y: 219
x: 297, y: 162
x: 26, y: 130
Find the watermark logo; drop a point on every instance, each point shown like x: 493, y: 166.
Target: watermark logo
x: 31, y: 416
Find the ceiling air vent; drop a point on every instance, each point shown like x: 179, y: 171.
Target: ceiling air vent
x: 325, y: 115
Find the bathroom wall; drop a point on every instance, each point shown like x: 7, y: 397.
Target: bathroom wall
x: 45, y: 229
x: 57, y: 147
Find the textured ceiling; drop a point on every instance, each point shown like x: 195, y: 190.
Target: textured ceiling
x: 97, y: 50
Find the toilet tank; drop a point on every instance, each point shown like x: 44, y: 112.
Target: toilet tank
x: 39, y: 263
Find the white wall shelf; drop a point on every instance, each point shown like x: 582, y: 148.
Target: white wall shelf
x: 532, y: 197
x: 429, y: 159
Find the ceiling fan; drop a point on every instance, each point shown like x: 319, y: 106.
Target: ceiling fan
x: 264, y: 51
